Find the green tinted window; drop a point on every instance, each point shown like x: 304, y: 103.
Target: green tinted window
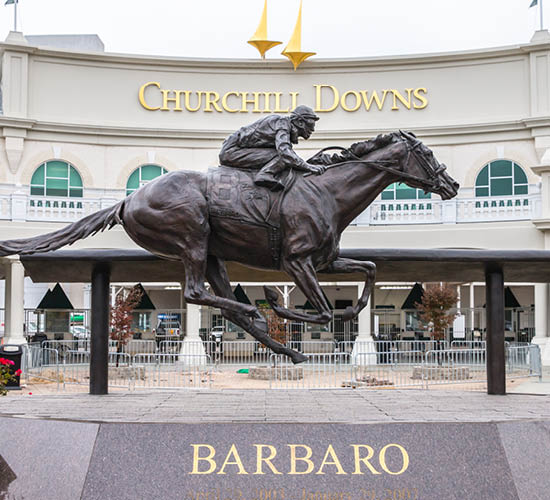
x: 501, y: 178
x: 38, y: 176
x: 404, y: 192
x: 74, y: 178
x: 501, y: 187
x: 519, y: 175
x: 142, y: 176
x: 56, y: 178
x: 501, y: 168
x: 400, y: 191
x: 520, y: 189
x: 483, y: 177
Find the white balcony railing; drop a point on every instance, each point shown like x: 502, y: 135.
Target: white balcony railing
x: 42, y: 208
x: 461, y: 210
x: 22, y: 207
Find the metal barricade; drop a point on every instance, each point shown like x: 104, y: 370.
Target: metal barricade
x: 523, y: 361
x: 40, y: 363
x: 313, y: 346
x: 171, y: 371
x: 375, y: 370
x: 140, y: 347
x: 468, y: 344
x: 321, y: 371
x: 76, y: 369
x: 454, y: 366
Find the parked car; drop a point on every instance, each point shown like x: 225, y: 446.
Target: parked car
x: 217, y: 332
x: 80, y: 332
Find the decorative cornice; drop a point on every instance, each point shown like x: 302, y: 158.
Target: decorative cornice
x: 280, y: 64
x: 442, y: 134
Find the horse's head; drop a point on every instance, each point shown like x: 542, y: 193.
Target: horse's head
x: 421, y: 169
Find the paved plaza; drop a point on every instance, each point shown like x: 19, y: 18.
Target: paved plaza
x: 297, y: 406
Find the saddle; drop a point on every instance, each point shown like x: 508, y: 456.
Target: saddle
x: 232, y: 194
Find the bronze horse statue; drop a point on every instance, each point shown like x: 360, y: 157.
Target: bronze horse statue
x: 197, y: 218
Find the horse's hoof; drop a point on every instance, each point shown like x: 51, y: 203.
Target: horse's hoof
x: 298, y: 357
x: 271, y: 296
x: 348, y: 314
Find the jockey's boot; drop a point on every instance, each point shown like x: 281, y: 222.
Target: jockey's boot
x: 268, y: 180
x: 268, y: 176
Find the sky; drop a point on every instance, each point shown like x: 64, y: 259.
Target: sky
x: 331, y: 28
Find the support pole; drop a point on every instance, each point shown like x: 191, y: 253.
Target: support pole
x: 496, y: 367
x: 99, y: 352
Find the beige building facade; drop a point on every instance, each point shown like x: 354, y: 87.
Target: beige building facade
x: 80, y: 130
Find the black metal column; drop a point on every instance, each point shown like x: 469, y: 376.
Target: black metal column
x: 99, y: 352
x: 496, y: 365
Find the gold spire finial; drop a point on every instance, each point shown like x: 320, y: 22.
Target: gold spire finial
x: 259, y: 39
x: 294, y: 48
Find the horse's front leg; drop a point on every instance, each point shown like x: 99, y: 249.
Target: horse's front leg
x: 303, y: 274
x: 216, y: 274
x: 355, y: 266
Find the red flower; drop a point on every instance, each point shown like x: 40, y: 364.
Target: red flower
x: 18, y: 373
x: 6, y: 362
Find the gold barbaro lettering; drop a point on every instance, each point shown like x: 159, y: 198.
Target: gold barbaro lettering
x: 237, y: 461
x: 404, y: 455
x: 204, y: 460
x: 330, y: 452
x: 267, y: 460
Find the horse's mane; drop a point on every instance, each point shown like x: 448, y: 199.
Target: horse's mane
x: 357, y: 150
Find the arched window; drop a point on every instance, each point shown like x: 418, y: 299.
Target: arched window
x: 501, y: 178
x: 56, y: 178
x: 142, y: 176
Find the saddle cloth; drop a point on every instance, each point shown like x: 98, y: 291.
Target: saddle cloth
x: 232, y: 194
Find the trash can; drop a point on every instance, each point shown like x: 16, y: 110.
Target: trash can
x: 13, y: 353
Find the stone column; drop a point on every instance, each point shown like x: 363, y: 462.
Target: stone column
x: 364, y: 348
x: 14, y: 305
x: 192, y: 350
x: 541, y: 322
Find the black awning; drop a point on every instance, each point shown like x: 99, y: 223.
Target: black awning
x: 55, y: 299
x: 145, y: 304
x: 241, y: 296
x: 510, y: 299
x: 414, y: 297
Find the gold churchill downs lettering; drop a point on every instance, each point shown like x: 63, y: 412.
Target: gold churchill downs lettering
x: 328, y: 98
x: 299, y: 459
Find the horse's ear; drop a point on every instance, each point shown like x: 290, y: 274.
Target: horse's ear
x: 408, y: 135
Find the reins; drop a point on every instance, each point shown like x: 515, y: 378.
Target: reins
x: 381, y: 165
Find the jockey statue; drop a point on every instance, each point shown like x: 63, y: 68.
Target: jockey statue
x: 266, y: 145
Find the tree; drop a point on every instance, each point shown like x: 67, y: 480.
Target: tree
x: 433, y: 310
x: 121, y: 315
x: 276, y: 327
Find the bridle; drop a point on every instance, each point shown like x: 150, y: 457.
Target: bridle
x: 433, y: 183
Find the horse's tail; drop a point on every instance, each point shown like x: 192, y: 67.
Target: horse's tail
x: 87, y: 226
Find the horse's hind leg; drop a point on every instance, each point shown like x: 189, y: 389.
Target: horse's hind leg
x: 194, y: 255
x: 257, y: 326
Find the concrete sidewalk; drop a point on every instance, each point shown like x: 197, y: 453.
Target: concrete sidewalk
x: 534, y: 385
